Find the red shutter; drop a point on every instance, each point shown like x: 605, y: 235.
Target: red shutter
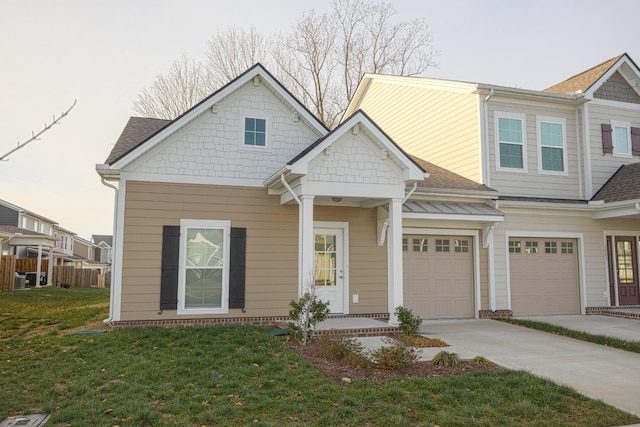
x: 635, y: 141
x: 607, y: 138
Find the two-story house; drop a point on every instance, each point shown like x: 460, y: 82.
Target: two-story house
x: 564, y: 162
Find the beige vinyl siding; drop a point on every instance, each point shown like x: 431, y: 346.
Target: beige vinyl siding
x: 533, y: 183
x: 555, y: 223
x: 440, y: 126
x: 81, y: 249
x: 603, y: 166
x: 272, y: 246
x: 367, y: 260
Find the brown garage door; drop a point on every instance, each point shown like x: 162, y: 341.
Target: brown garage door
x: 544, y: 276
x: 438, y: 276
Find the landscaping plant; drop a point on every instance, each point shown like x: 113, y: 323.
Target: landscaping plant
x: 306, y: 312
x: 409, y: 322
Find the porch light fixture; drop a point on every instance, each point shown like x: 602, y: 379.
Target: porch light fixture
x: 336, y: 199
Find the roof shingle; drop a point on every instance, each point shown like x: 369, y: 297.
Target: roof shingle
x: 623, y: 185
x: 583, y: 81
x: 445, y: 179
x: 137, y: 130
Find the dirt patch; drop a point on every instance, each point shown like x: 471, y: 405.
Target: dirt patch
x: 338, y: 369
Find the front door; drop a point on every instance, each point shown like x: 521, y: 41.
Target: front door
x: 329, y: 267
x: 627, y: 274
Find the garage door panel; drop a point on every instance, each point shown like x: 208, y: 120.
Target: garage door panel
x: 438, y: 281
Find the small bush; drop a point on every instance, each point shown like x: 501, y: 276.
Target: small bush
x: 446, y: 359
x: 422, y: 342
x: 306, y: 312
x: 338, y: 347
x: 409, y: 322
x: 482, y: 361
x: 395, y: 355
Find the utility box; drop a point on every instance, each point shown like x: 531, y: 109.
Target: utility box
x: 33, y: 420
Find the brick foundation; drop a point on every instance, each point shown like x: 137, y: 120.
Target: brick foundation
x: 498, y: 314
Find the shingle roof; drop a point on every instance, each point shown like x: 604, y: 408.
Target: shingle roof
x: 583, y: 81
x: 623, y: 185
x: 445, y: 179
x: 137, y: 130
x: 12, y: 229
x: 108, y: 239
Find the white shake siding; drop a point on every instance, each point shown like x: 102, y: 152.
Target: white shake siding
x: 440, y: 126
x: 605, y: 165
x: 533, y: 183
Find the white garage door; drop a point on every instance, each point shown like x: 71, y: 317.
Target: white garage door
x: 544, y: 276
x: 438, y: 276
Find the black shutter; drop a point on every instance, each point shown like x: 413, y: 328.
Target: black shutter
x: 170, y: 260
x: 237, y: 264
x: 635, y: 141
x: 607, y: 138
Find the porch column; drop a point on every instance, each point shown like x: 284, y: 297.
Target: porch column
x: 39, y: 268
x: 306, y: 244
x: 394, y: 259
x: 50, y: 267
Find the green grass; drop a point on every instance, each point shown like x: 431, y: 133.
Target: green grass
x: 633, y: 346
x: 238, y: 376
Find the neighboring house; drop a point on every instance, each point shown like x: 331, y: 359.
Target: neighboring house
x: 20, y: 218
x: 64, y: 245
x: 87, y: 255
x: 565, y: 162
x: 105, y: 242
x: 228, y: 212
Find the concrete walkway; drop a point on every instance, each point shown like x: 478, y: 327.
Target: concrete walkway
x: 594, y: 370
x: 616, y: 327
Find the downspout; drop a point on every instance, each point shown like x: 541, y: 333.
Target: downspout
x: 485, y: 150
x: 115, y: 223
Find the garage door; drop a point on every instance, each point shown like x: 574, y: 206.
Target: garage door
x: 438, y: 276
x: 544, y: 276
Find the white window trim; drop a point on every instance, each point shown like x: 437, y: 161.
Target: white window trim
x: 506, y: 115
x: 563, y: 123
x: 196, y: 223
x: 267, y: 124
x: 617, y: 123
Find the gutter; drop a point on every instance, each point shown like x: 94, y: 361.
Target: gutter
x: 115, y: 223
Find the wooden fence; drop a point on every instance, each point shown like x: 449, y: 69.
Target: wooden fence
x: 7, y: 272
x: 63, y: 276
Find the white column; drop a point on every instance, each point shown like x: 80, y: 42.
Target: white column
x: 50, y: 268
x: 306, y: 242
x: 39, y: 268
x: 394, y: 259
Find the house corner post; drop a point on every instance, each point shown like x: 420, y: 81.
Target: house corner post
x: 50, y: 267
x: 306, y: 242
x: 394, y: 259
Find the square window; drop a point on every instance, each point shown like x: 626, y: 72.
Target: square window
x: 567, y: 247
x: 419, y: 245
x: 461, y: 246
x: 550, y: 247
x: 255, y: 132
x: 515, y: 246
x: 442, y: 245
x: 510, y: 141
x: 531, y: 247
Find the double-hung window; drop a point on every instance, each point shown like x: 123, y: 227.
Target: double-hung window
x: 621, y: 138
x: 203, y: 281
x: 255, y: 132
x: 511, y: 142
x: 552, y: 146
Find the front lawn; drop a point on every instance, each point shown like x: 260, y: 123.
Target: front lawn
x: 236, y: 376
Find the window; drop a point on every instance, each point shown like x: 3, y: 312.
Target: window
x: 515, y: 247
x: 405, y: 244
x: 442, y: 245
x: 567, y: 247
x: 621, y: 138
x: 203, y: 283
x: 419, y: 245
x: 530, y: 247
x: 550, y: 247
x: 461, y: 246
x: 511, y: 142
x: 551, y: 145
x: 255, y: 132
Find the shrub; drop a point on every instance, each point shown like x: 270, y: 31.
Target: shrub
x: 342, y: 347
x: 306, y: 312
x: 409, y: 322
x: 422, y: 342
x: 446, y: 359
x: 395, y: 355
x: 482, y: 361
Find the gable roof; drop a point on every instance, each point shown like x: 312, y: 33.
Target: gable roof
x: 623, y: 185
x: 585, y: 80
x: 137, y: 130
x: 441, y: 178
x: 134, y: 139
x: 106, y: 238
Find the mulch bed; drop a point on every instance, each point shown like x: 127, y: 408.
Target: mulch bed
x: 339, y: 370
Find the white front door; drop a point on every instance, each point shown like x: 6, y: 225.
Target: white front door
x: 329, y: 267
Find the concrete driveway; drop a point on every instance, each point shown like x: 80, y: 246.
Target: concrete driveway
x: 594, y: 370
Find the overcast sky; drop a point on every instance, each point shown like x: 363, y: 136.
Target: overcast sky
x: 102, y: 53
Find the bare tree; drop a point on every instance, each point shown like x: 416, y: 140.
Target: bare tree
x: 185, y: 84
x: 35, y: 136
x: 321, y: 61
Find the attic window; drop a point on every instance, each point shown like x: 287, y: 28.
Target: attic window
x: 255, y: 132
